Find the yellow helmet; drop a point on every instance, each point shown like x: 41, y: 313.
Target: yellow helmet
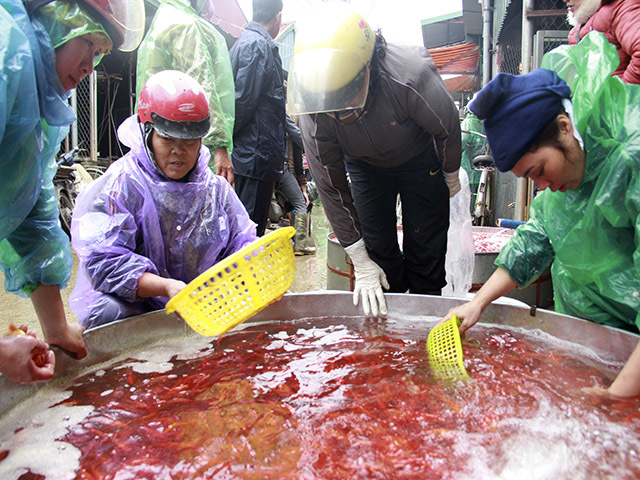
x: 330, y: 66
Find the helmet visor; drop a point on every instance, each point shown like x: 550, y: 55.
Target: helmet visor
x: 185, y: 130
x: 326, y: 80
x: 125, y: 17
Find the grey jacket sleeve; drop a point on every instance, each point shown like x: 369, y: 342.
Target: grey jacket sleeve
x: 326, y: 162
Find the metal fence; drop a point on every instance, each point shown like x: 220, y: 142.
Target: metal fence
x: 545, y: 18
x: 83, y: 131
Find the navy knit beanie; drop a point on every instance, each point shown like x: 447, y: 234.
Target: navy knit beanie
x: 515, y: 109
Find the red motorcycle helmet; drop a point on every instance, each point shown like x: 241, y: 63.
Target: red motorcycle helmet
x: 175, y: 105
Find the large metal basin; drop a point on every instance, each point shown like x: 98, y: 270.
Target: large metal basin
x: 612, y: 345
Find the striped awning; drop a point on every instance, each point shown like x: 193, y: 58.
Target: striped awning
x: 458, y: 64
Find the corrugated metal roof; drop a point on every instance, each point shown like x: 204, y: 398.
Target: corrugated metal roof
x: 459, y: 59
x: 501, y: 8
x: 462, y: 61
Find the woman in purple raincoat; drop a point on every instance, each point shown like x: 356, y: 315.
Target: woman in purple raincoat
x: 159, y: 216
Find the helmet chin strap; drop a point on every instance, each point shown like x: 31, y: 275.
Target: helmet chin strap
x: 146, y: 131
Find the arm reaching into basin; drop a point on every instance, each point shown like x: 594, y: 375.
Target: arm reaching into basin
x: 499, y: 284
x: 48, y: 305
x: 627, y: 383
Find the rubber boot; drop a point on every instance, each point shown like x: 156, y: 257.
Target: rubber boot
x: 301, y: 243
x: 311, y: 242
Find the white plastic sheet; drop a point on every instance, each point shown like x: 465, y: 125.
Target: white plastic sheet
x: 460, y: 253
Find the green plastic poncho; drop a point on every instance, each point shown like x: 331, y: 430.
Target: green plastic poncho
x: 591, y: 234
x: 180, y: 39
x: 34, y: 118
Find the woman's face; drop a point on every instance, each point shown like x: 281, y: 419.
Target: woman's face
x: 552, y: 167
x: 174, y: 156
x: 74, y: 60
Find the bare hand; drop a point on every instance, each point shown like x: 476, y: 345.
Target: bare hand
x: 224, y: 167
x: 468, y: 313
x: 605, y: 393
x: 174, y: 287
x: 70, y: 339
x: 48, y: 304
x: 17, y: 359
x: 305, y: 195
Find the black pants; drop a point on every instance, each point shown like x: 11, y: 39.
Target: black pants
x: 420, y: 266
x: 256, y: 196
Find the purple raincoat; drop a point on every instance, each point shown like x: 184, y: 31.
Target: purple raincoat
x: 134, y: 219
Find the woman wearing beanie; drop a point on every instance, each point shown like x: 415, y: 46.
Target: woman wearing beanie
x: 581, y: 148
x: 48, y: 48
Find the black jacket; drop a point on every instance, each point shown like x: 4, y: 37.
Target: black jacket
x: 258, y: 133
x: 409, y: 109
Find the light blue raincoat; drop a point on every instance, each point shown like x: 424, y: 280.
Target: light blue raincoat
x: 134, y: 219
x: 34, y: 119
x: 591, y: 234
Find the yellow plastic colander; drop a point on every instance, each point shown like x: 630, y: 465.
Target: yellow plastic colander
x: 445, y: 350
x: 239, y: 286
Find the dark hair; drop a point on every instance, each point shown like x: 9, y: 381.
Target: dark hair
x: 265, y: 10
x: 549, y: 136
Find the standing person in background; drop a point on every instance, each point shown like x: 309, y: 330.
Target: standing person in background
x: 47, y: 49
x: 179, y: 38
x: 259, y: 132
x: 619, y: 21
x: 294, y: 188
x: 384, y: 112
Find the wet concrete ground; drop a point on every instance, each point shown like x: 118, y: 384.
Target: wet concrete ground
x: 311, y: 274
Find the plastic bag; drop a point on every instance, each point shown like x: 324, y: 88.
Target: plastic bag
x: 459, y: 261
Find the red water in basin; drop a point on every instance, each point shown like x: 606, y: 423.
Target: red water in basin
x: 316, y: 400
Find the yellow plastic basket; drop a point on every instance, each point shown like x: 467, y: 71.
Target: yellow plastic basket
x: 239, y: 286
x: 445, y: 350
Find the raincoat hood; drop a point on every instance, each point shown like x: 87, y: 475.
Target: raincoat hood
x: 66, y: 20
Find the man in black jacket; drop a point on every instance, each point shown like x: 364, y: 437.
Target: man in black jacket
x: 258, y: 133
x: 383, y: 114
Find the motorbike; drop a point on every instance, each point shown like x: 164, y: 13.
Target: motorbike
x: 68, y: 181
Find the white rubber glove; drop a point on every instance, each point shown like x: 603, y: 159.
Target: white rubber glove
x: 370, y: 279
x: 453, y: 182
